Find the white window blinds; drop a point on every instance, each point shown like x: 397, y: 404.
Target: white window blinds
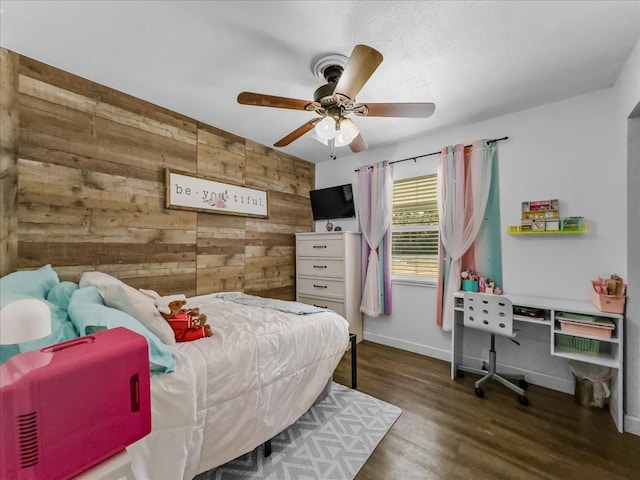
x: 414, y: 228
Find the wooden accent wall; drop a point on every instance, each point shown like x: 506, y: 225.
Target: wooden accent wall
x: 9, y: 129
x: 91, y: 193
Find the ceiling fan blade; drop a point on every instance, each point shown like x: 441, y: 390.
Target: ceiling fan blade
x: 262, y: 100
x: 297, y: 133
x: 361, y: 64
x: 358, y: 144
x: 412, y: 110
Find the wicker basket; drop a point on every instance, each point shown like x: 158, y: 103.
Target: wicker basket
x: 578, y: 344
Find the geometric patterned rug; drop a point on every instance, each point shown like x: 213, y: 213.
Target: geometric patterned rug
x: 332, y: 441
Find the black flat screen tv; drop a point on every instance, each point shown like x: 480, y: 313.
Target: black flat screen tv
x: 333, y: 202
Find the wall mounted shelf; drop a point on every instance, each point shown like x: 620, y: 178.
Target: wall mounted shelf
x: 517, y: 230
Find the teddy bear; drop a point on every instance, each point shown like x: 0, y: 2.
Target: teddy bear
x: 187, y: 323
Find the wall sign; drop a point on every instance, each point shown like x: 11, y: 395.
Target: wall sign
x: 189, y: 192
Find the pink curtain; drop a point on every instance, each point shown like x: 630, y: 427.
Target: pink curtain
x: 464, y: 182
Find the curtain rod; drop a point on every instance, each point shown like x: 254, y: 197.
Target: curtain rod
x: 436, y: 153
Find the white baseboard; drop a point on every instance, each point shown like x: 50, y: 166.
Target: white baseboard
x: 408, y: 346
x: 632, y: 424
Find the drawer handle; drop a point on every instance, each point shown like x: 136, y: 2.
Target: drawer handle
x: 319, y: 286
x: 319, y: 266
x: 319, y: 246
x: 320, y: 306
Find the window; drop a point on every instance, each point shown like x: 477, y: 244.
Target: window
x: 414, y: 227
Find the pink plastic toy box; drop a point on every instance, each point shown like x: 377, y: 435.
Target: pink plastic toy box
x: 72, y: 405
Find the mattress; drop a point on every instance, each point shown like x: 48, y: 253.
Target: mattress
x: 258, y: 373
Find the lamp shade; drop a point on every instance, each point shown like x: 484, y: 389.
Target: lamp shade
x: 24, y: 320
x: 326, y: 128
x: 348, y: 131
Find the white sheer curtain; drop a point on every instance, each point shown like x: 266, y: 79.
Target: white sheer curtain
x: 462, y: 193
x: 375, y: 207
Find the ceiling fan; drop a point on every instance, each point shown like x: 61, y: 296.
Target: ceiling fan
x: 336, y: 99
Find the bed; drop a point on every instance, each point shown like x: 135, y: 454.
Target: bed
x: 215, y: 398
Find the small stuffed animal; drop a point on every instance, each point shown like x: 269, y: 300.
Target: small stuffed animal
x: 187, y: 324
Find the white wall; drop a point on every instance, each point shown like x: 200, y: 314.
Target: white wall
x: 574, y: 150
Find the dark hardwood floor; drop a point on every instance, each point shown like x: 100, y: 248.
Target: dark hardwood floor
x: 446, y: 432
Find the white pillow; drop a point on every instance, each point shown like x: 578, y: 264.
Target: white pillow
x: 118, y: 294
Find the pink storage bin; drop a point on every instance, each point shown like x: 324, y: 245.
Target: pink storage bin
x: 595, y: 330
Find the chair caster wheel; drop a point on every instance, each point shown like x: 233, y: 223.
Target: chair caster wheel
x: 523, y: 400
x: 523, y: 384
x: 479, y: 392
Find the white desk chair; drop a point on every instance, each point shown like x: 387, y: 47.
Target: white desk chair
x: 493, y: 314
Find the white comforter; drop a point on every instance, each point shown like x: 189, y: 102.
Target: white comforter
x: 258, y: 373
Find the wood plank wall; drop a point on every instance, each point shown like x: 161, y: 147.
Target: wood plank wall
x: 9, y: 129
x: 90, y: 167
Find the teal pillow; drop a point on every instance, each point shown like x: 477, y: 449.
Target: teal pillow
x: 34, y: 283
x: 61, y: 328
x: 87, y: 309
x: 8, y: 351
x: 61, y: 294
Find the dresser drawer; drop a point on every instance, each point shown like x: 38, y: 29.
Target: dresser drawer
x: 329, y: 247
x: 334, y: 305
x: 321, y: 286
x: 325, y: 267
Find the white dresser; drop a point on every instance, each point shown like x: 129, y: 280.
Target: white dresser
x: 328, y: 274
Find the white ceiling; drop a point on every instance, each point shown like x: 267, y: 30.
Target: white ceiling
x: 474, y: 59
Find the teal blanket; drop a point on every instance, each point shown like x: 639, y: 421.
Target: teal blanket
x: 296, y: 308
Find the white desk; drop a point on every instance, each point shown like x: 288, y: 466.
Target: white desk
x: 611, y: 356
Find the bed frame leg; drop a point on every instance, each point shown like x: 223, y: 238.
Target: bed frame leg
x: 267, y: 448
x: 354, y: 366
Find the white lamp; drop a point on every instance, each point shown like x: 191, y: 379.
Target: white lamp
x: 348, y: 131
x: 326, y: 128
x: 24, y: 320
x: 343, y: 132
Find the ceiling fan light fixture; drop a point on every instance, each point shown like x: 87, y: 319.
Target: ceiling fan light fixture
x: 348, y: 131
x: 326, y: 128
x: 337, y: 142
